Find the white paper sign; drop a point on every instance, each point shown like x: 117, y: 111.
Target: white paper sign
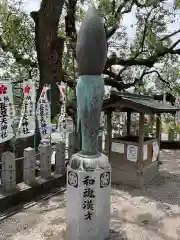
x: 117, y: 147
x: 155, y: 151
x: 145, y: 152
x: 132, y: 152
x: 43, y: 113
x: 7, y: 112
x: 27, y: 124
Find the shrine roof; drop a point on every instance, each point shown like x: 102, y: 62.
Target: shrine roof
x: 128, y: 102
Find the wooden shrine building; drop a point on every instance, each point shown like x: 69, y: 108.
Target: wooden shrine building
x: 134, y: 159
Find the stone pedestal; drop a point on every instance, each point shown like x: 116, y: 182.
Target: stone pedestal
x: 88, y: 192
x: 8, y: 172
x: 45, y: 160
x: 29, y: 166
x: 60, y: 158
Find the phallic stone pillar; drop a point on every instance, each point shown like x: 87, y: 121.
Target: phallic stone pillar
x: 89, y: 171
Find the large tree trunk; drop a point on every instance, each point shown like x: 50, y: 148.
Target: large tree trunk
x: 49, y: 47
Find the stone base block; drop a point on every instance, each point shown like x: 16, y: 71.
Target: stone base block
x: 88, y: 203
x: 9, y: 186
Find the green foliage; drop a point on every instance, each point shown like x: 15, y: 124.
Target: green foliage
x: 177, y: 129
x: 150, y: 26
x: 18, y: 37
x: 56, y: 119
x: 177, y: 3
x: 176, y: 89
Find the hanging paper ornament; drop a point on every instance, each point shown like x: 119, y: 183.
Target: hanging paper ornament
x: 27, y: 122
x: 43, y: 113
x: 7, y: 112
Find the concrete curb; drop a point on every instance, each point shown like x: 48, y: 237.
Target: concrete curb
x: 25, y: 193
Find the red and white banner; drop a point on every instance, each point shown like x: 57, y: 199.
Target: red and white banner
x: 62, y: 88
x: 7, y: 112
x: 43, y: 113
x: 27, y: 124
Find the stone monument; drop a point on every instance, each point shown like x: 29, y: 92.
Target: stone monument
x: 89, y: 171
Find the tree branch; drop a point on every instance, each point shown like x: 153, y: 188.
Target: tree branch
x: 149, y: 62
x: 145, y: 29
x: 119, y: 85
x: 117, y: 15
x: 70, y: 20
x: 141, y: 5
x: 159, y: 76
x: 170, y: 35
x: 175, y: 44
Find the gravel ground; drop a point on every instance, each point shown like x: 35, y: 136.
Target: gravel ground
x: 149, y: 213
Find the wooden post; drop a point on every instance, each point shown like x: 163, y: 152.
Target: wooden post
x: 8, y: 173
x: 128, y: 123
x: 109, y: 133
x: 60, y: 158
x: 45, y: 160
x: 141, y: 142
x: 158, y: 131
x: 29, y: 165
x: 171, y: 135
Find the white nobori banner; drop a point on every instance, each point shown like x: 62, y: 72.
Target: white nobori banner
x: 27, y: 124
x: 7, y: 112
x: 43, y: 114
x: 62, y: 122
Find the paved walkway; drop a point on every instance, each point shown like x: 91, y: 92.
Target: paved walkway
x: 151, y: 213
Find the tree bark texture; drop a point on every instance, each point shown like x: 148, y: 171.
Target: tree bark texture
x: 49, y: 47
